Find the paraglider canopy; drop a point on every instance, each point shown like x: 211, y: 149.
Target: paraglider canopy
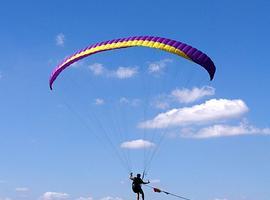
x: 172, y: 46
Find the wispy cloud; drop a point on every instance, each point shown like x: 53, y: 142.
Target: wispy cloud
x: 210, y: 111
x: 99, y: 101
x: 125, y: 72
x: 60, y: 39
x: 77, y: 64
x: 158, y: 66
x: 97, y: 69
x: 111, y: 198
x: 185, y: 95
x: 155, y: 181
x: 132, y: 102
x: 5, y: 198
x: 22, y: 189
x: 223, y: 130
x: 54, y: 196
x: 84, y: 198
x: 124, y: 100
x: 137, y: 144
x: 161, y: 105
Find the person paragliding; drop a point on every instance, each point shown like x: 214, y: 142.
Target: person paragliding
x: 136, y: 185
x: 165, y: 44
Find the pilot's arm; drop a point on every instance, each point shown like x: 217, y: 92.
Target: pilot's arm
x: 131, y: 176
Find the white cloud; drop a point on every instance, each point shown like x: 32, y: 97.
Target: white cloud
x: 125, y: 72
x: 99, y: 101
x: 137, y: 144
x: 5, y: 198
x: 124, y: 100
x: 210, y: 111
x: 111, y: 198
x: 60, y: 39
x: 97, y: 68
x: 22, y: 189
x: 187, y: 96
x: 132, y: 102
x: 161, y: 105
x: 155, y: 181
x: 54, y: 196
x: 161, y: 101
x: 77, y: 64
x: 84, y: 198
x: 222, y: 130
x: 184, y: 95
x: 158, y: 67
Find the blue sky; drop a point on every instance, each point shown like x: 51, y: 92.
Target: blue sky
x: 48, y: 144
